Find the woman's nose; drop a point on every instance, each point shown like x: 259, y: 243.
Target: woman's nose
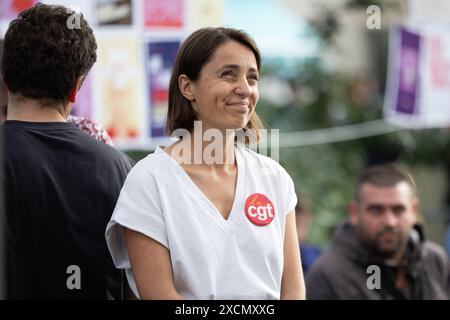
x: 243, y: 88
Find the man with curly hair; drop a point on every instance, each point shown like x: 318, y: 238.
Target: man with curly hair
x: 61, y: 185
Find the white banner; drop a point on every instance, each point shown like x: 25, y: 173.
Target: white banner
x: 418, y: 86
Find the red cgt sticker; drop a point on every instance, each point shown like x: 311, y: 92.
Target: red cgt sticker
x: 259, y: 209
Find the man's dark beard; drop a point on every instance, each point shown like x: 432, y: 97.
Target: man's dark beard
x: 373, y: 245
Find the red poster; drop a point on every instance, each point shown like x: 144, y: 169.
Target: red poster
x: 9, y: 9
x: 164, y: 14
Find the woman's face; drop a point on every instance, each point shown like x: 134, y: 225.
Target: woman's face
x: 226, y: 93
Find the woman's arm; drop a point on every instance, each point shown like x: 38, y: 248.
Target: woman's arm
x: 292, y: 282
x: 151, y: 266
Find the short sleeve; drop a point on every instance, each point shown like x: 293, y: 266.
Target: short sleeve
x: 138, y: 208
x: 291, y: 196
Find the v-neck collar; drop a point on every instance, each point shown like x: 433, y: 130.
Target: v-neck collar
x: 231, y: 223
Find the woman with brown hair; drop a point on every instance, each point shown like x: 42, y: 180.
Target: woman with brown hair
x: 207, y: 218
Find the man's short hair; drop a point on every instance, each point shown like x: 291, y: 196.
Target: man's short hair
x: 43, y: 57
x: 386, y: 175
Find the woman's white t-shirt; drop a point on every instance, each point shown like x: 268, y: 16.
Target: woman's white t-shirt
x: 212, y: 258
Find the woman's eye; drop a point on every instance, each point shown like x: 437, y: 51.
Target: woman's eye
x: 227, y: 73
x: 253, y: 77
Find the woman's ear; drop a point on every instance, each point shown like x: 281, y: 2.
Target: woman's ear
x: 187, y: 87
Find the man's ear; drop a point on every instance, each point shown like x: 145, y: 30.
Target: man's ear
x: 352, y: 208
x: 73, y: 93
x: 187, y: 87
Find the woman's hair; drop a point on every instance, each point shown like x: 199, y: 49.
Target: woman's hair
x: 196, y: 51
x: 43, y: 56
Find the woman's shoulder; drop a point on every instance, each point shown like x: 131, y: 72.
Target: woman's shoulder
x: 152, y: 164
x: 264, y: 163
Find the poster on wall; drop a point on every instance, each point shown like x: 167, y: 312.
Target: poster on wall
x: 119, y: 81
x: 9, y: 9
x: 83, y: 6
x: 114, y: 12
x: 160, y: 59
x: 418, y: 86
x: 164, y: 14
x: 428, y: 11
x: 83, y: 104
x: 205, y: 13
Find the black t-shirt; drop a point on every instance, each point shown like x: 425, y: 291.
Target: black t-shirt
x: 61, y: 187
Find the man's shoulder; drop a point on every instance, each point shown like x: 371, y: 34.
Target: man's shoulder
x: 325, y: 276
x: 333, y: 264
x: 329, y: 263
x: 436, y: 254
x: 103, y: 151
x: 335, y: 276
x: 434, y: 248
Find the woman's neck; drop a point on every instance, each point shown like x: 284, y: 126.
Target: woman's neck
x: 212, y: 148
